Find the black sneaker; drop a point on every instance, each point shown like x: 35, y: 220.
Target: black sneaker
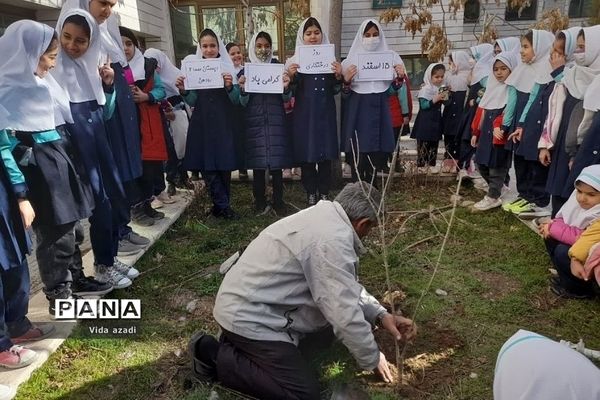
x: 90, y: 287
x: 203, y: 350
x: 151, y: 212
x: 52, y: 304
x: 324, y: 197
x: 195, y: 176
x: 312, y: 199
x: 137, y: 239
x: 564, y: 293
x: 171, y: 189
x: 139, y: 217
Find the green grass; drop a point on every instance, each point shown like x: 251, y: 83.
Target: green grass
x: 494, y: 270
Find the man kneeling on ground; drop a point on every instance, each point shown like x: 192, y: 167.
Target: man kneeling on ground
x: 296, y: 284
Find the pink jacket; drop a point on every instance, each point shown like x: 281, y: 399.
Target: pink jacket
x: 564, y: 233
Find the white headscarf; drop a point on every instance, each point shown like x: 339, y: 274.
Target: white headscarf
x: 496, y: 93
x: 484, y: 56
x: 357, y: 48
x: 458, y: 80
x: 578, y: 79
x: 509, y: 44
x: 3, y: 118
x: 80, y: 77
x: 226, y: 63
x: 168, y: 72
x: 25, y: 96
x: 571, y: 211
x: 252, y: 51
x: 525, y: 76
x: 137, y: 65
x: 429, y: 90
x: 300, y: 42
x: 570, y: 41
x: 531, y: 366
x: 112, y: 46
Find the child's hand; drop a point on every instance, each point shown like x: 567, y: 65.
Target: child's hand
x: 179, y: 83
x: 544, y: 230
x: 571, y: 162
x: 107, y: 74
x: 516, y: 135
x: 336, y: 67
x: 577, y: 269
x: 27, y: 213
x: 400, y: 71
x: 544, y: 157
x: 286, y: 81
x: 227, y: 80
x: 242, y: 83
x: 557, y: 60
x: 293, y: 69
x: 471, y: 102
x: 474, y: 140
x: 437, y: 98
x: 498, y: 134
x: 170, y: 115
x: 138, y: 95
x: 350, y: 73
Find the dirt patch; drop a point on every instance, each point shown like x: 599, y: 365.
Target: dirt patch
x: 497, y: 285
x: 185, y: 305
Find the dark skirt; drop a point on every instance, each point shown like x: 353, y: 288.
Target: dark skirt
x: 534, y: 124
x: 488, y: 154
x: 453, y: 113
x: 59, y: 189
x: 14, y: 240
x: 428, y: 124
x: 522, y: 99
x: 588, y: 153
x: 367, y: 119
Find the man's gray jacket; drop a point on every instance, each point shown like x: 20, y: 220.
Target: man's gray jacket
x: 299, y: 276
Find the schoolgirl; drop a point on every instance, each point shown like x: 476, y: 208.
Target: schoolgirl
x: 268, y: 146
x: 148, y: 93
x: 507, y: 44
x: 78, y: 73
x: 483, y: 54
x: 401, y: 106
x: 210, y: 146
x: 237, y: 58
x: 367, y: 129
x: 314, y: 122
x: 493, y: 160
x: 566, y: 112
x: 532, y: 75
x: 178, y: 127
x: 457, y: 80
x: 428, y: 124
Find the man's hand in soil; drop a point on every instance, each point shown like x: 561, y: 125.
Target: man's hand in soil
x: 401, y: 328
x: 383, y: 369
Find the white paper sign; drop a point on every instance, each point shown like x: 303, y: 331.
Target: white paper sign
x: 202, y: 74
x: 375, y: 66
x: 316, y: 59
x: 263, y: 78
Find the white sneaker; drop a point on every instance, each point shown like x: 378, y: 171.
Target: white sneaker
x: 434, y: 170
x: 125, y: 269
x: 480, y: 184
x: 505, y: 192
x: 156, y: 203
x: 112, y: 276
x: 6, y: 392
x: 165, y: 198
x: 487, y: 203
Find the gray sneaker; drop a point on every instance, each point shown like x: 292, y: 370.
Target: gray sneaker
x: 127, y: 248
x: 137, y: 239
x: 111, y: 275
x: 125, y: 269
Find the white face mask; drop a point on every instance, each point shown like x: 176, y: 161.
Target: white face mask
x: 371, y: 43
x: 579, y: 58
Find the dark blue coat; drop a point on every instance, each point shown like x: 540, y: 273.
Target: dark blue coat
x: 267, y: 142
x: 14, y: 240
x: 522, y: 99
x: 367, y: 118
x: 558, y: 172
x: 124, y: 131
x: 488, y: 154
x: 587, y: 154
x: 453, y: 112
x: 314, y: 121
x: 464, y: 129
x: 534, y: 123
x: 211, y: 138
x: 428, y: 124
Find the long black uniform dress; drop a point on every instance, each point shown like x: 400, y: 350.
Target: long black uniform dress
x: 428, y: 130
x: 314, y: 129
x: 588, y: 152
x: 520, y: 166
x: 464, y: 133
x: 451, y: 120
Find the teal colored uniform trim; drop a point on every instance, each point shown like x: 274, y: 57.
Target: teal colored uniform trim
x: 425, y: 104
x: 403, y: 97
x: 484, y: 81
x: 158, y: 90
x: 511, y: 104
x: 558, y: 78
x: 7, y: 144
x: 46, y: 137
x: 532, y: 96
x: 110, y: 105
x: 191, y: 96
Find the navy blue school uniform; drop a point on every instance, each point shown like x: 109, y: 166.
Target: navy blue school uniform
x: 428, y: 124
x: 367, y: 119
x: 522, y: 99
x: 14, y: 240
x: 588, y: 152
x: 239, y: 130
x: 90, y: 138
x: 451, y: 119
x: 314, y: 124
x: 464, y: 133
x: 488, y: 154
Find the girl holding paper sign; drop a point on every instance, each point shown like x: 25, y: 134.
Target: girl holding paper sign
x: 267, y: 143
x: 314, y: 124
x: 367, y: 125
x: 210, y: 146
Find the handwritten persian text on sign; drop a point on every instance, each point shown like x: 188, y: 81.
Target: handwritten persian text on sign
x: 316, y: 59
x: 264, y: 78
x: 375, y: 66
x: 202, y: 74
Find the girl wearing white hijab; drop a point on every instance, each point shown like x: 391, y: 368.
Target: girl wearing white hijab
x: 531, y: 367
x: 559, y: 141
x: 492, y: 159
x: 507, y: 44
x: 457, y: 80
x: 78, y: 73
x: 58, y: 186
x: 268, y: 145
x: 367, y: 130
x: 211, y: 147
x: 314, y: 122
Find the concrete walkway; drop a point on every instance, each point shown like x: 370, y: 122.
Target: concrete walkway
x: 38, y: 305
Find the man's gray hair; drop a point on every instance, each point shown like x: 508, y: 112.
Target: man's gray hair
x: 360, y: 200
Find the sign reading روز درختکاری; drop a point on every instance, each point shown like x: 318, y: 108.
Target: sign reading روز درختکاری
x: 316, y: 59
x: 375, y: 66
x: 202, y: 74
x: 263, y: 78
